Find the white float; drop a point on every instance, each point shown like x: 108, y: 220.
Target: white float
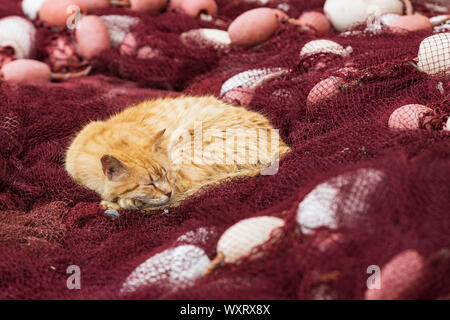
x: 242, y: 238
x: 320, y: 206
x: 213, y: 37
x: 173, y: 269
x: 324, y: 46
x: 18, y: 33
x: 31, y: 8
x: 434, y: 54
x: 118, y: 27
x: 251, y: 78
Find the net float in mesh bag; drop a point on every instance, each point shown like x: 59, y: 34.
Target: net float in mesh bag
x: 240, y: 96
x: 397, y: 275
x: 330, y: 87
x: 417, y: 116
x: 344, y: 14
x: 244, y: 239
x: 321, y: 206
x: 171, y: 269
x: 17, y: 37
x: 318, y: 54
x: 92, y: 36
x: 142, y: 6
x: 58, y: 12
x: 408, y: 275
x: 324, y: 90
x: 254, y: 27
x: 324, y: 46
x: 252, y: 78
x: 215, y: 38
x: 24, y: 70
x: 434, y: 54
x: 118, y: 27
x: 425, y: 278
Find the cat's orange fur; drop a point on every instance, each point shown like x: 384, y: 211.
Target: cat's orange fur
x: 143, y: 156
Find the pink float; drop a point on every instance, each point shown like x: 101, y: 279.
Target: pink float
x: 25, y: 70
x: 92, y: 36
x: 254, y: 27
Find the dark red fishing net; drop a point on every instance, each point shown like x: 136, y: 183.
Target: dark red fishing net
x: 48, y: 222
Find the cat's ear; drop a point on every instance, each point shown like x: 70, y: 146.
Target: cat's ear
x: 113, y: 168
x: 157, y: 140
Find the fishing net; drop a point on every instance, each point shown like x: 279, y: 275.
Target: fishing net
x: 354, y: 192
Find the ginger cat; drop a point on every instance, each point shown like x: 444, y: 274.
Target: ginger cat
x: 159, y: 152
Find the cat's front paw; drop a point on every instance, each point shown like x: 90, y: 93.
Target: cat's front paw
x: 130, y: 204
x: 108, y: 205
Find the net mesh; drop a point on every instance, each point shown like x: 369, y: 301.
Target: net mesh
x: 356, y: 191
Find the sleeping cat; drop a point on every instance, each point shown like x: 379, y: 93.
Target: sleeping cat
x: 159, y: 152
